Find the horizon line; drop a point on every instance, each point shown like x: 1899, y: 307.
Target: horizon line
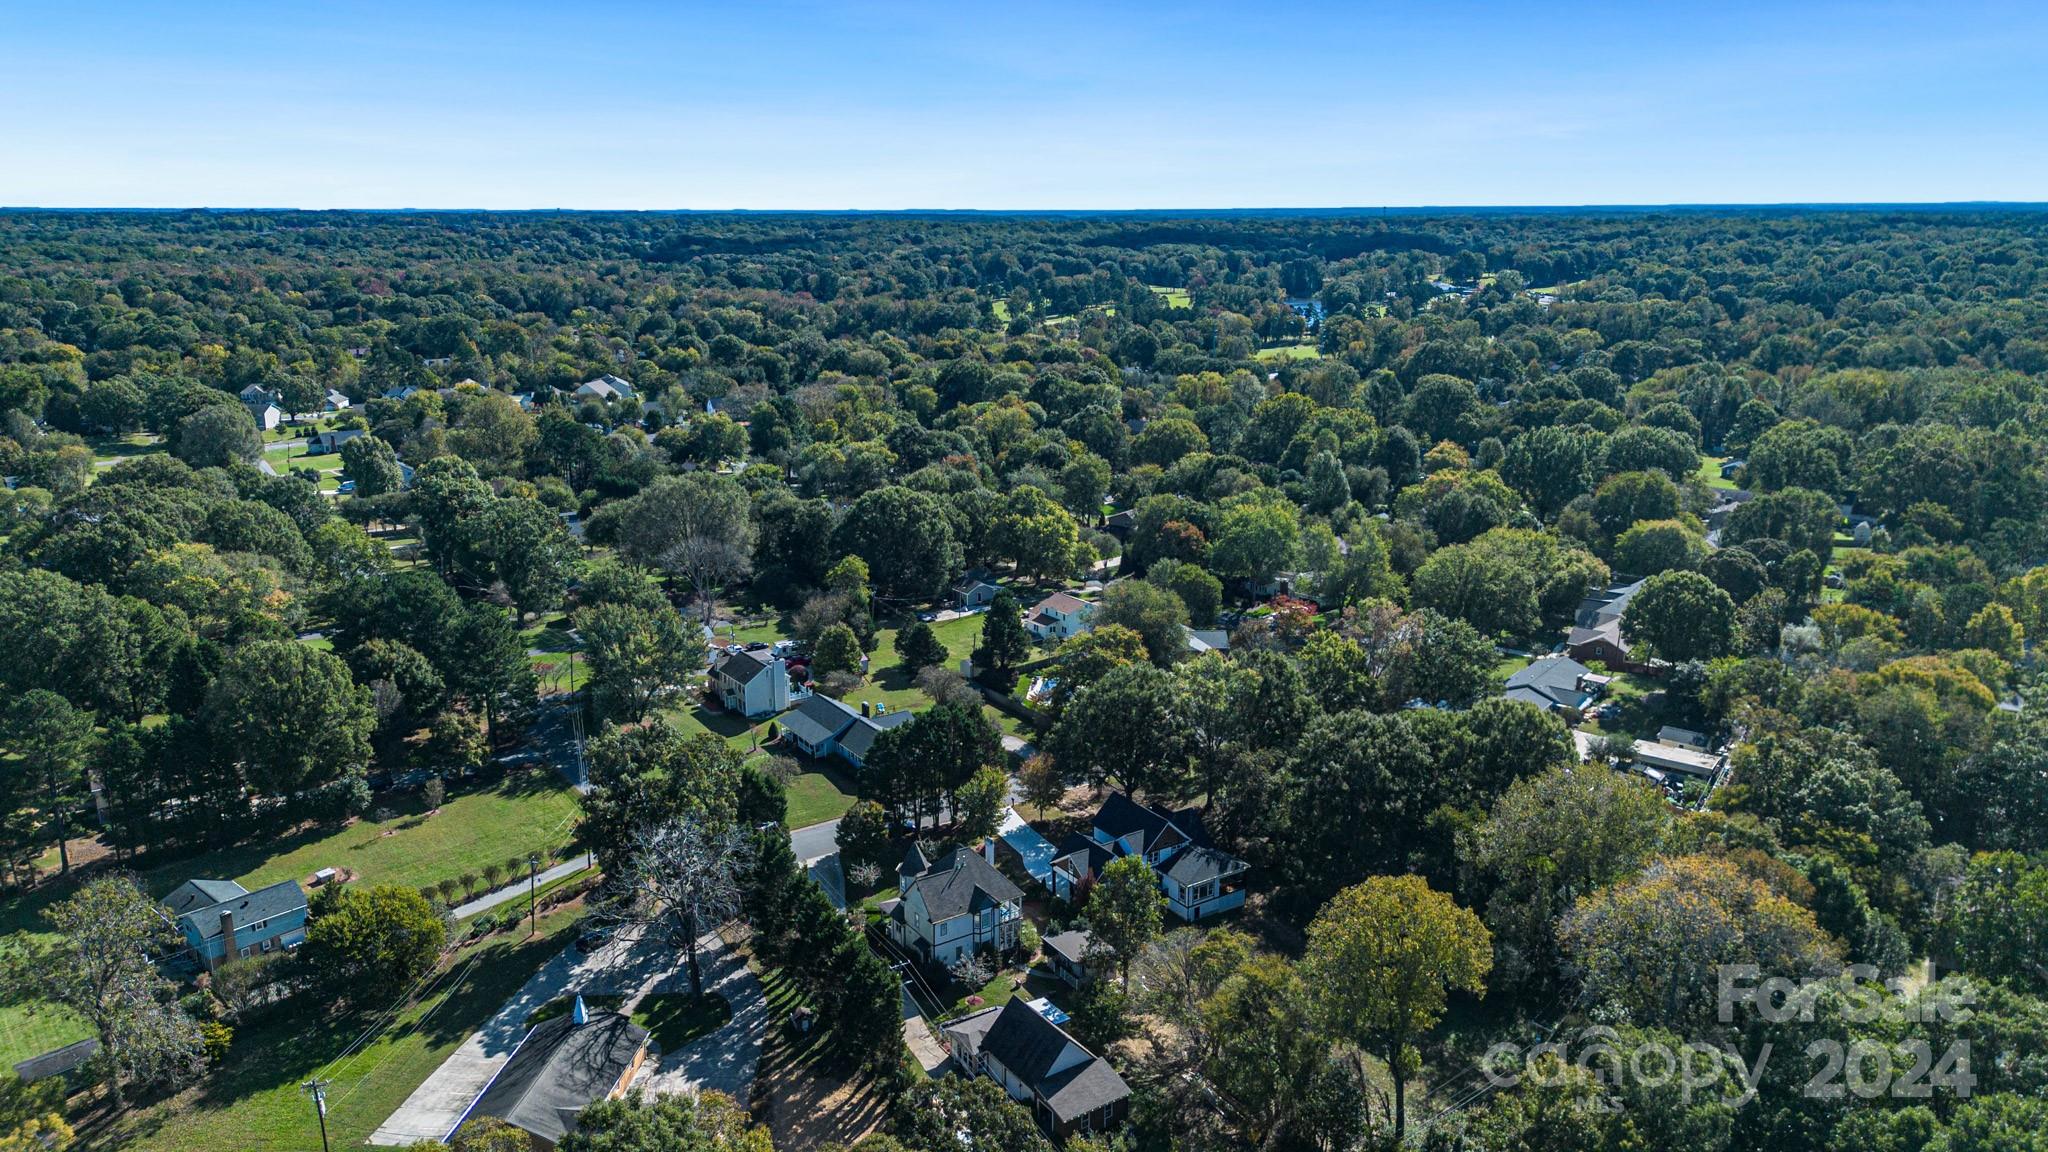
x: 1269, y: 210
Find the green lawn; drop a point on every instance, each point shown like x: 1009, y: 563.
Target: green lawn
x: 1507, y: 666
x: 674, y: 1019
x: 25, y: 1033
x: 529, y: 812
x: 526, y: 813
x: 124, y: 447
x: 1290, y: 352
x: 1173, y: 297
x: 817, y: 796
x: 1710, y: 473
x: 252, y: 1102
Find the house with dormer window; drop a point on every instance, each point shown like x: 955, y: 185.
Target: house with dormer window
x: 1198, y: 878
x: 953, y: 907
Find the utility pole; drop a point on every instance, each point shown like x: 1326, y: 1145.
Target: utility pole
x: 533, y: 892
x: 317, y: 1089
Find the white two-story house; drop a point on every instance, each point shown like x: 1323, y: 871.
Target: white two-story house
x: 954, y: 907
x: 1198, y: 878
x: 752, y: 683
x: 1060, y: 616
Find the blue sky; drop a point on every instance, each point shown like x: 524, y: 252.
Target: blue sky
x: 902, y: 105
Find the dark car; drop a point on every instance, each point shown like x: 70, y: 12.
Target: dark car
x: 592, y: 940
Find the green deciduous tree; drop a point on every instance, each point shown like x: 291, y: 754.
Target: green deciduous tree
x: 292, y: 717
x: 1682, y: 616
x: 1550, y: 840
x: 1382, y: 958
x: 1124, y: 728
x: 218, y: 435
x: 1125, y: 912
x: 639, y: 649
x: 1155, y: 614
x: 837, y: 650
x: 367, y: 945
x: 906, y: 538
x: 99, y: 967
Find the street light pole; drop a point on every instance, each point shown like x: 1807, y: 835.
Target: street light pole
x: 317, y: 1089
x: 533, y: 892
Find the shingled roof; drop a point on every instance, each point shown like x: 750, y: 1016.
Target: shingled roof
x: 249, y: 908
x: 961, y: 882
x: 560, y: 1069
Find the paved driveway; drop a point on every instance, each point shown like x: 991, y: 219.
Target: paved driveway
x: 625, y: 967
x: 814, y: 842
x: 723, y: 1061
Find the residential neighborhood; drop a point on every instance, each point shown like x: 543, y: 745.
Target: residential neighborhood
x: 924, y: 683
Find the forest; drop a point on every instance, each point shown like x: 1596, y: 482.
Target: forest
x: 303, y: 511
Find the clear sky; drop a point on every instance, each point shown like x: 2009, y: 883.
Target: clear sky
x: 509, y: 104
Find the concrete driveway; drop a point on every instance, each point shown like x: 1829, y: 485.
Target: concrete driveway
x: 624, y: 967
x: 723, y: 1061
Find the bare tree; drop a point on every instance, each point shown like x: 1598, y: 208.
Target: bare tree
x: 682, y: 880
x: 708, y: 563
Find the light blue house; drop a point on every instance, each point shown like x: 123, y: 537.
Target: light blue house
x: 223, y: 921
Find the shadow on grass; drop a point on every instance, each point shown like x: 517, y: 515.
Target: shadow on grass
x: 674, y: 1019
x: 720, y: 721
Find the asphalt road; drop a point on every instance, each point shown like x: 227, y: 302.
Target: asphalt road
x: 815, y: 842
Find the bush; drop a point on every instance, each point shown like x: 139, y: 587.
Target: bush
x: 214, y: 1039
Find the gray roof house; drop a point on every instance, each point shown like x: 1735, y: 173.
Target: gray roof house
x: 193, y: 895
x: 321, y: 443
x: 1554, y: 682
x: 953, y: 907
x: 1068, y: 1088
x: 860, y: 735
x: 821, y: 726
x: 1198, y: 878
x: 1596, y: 626
x: 561, y: 1067
x: 815, y: 725
x: 240, y: 923
x: 751, y: 682
x: 606, y: 387
x: 1067, y: 954
x: 974, y: 590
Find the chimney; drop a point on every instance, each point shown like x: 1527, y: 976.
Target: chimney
x: 866, y: 709
x: 579, y: 1014
x: 227, y: 935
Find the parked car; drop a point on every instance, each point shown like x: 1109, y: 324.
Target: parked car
x: 592, y: 940
x: 927, y: 617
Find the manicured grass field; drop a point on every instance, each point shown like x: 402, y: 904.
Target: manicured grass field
x: 1290, y: 352
x: 1173, y: 297
x: 816, y: 797
x: 252, y: 1100
x: 529, y: 812
x: 24, y: 1033
x: 1710, y: 473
